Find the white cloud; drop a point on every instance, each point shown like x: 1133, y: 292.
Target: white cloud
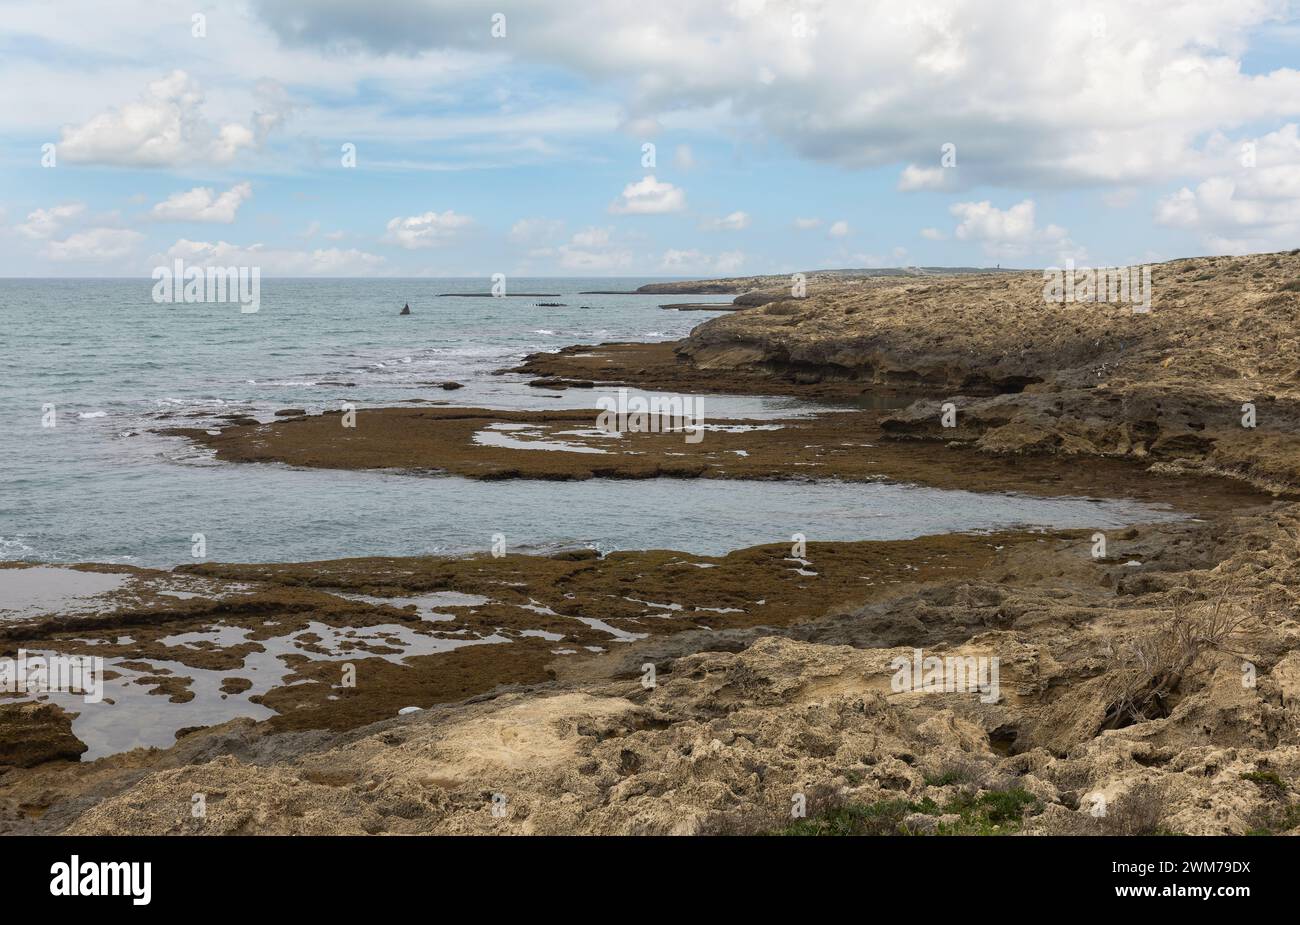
x: 427, y: 230
x: 203, y: 204
x: 983, y: 221
x: 649, y: 196
x: 839, y: 230
x: 933, y: 234
x: 1133, y: 103
x: 806, y: 224
x: 94, y: 245
x: 45, y: 223
x: 923, y: 178
x: 274, y: 261
x: 165, y: 128
x: 1012, y: 232
x: 1246, y: 208
x: 1180, y: 208
x: 736, y: 221
x: 684, y: 158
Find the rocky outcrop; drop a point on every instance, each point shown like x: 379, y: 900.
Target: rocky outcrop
x: 725, y: 740
x: 1208, y: 380
x: 783, y: 281
x: 34, y: 733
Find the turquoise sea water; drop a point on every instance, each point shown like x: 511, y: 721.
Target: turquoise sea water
x: 101, y: 486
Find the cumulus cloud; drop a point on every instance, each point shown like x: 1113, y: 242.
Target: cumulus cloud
x: 273, y: 261
x: 428, y: 230
x: 164, y: 128
x: 94, y: 245
x: 45, y: 223
x: 839, y: 229
x: 649, y: 196
x: 736, y: 221
x: 1254, y: 205
x: 923, y: 178
x: 203, y: 204
x: 1128, y: 102
x: 806, y: 224
x: 1012, y: 232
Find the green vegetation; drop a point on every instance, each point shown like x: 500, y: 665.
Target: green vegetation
x: 1280, y: 815
x: 994, y: 812
x: 1268, y: 780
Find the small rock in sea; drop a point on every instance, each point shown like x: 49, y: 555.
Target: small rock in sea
x: 405, y: 710
x: 290, y: 412
x: 575, y: 555
x: 406, y: 309
x: 452, y: 386
x: 553, y: 382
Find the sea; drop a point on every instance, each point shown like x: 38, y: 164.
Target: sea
x: 109, y: 367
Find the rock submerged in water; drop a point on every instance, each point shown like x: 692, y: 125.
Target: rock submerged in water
x: 452, y: 386
x: 406, y: 309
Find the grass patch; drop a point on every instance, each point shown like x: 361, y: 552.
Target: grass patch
x: 882, y: 818
x: 1266, y: 779
x: 995, y: 812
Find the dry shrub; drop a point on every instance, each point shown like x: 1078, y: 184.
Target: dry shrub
x: 1139, y: 811
x: 1153, y: 667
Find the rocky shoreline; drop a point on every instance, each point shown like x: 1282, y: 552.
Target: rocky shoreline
x: 1160, y: 678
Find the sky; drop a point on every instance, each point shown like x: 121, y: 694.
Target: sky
x: 688, y: 138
